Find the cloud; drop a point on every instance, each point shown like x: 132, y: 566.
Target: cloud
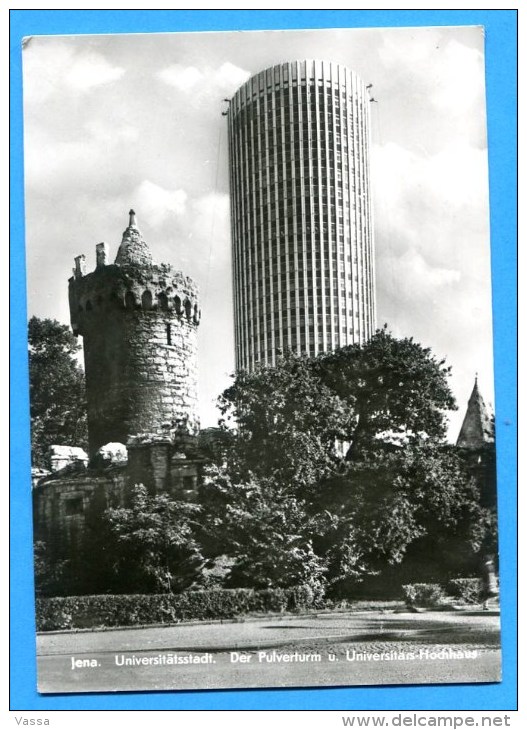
x: 461, y: 83
x: 229, y: 75
x: 90, y: 70
x: 191, y: 232
x: 451, y: 72
x: 433, y: 255
x: 421, y: 279
x: 434, y: 203
x: 55, y: 66
x: 158, y: 205
x: 210, y: 215
x: 51, y: 161
x: 223, y: 80
x: 111, y: 133
x: 181, y: 77
x: 431, y: 224
x: 443, y: 82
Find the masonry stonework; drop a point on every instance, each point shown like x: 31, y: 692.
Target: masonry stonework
x: 139, y: 321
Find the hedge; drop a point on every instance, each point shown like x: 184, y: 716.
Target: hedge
x: 430, y: 595
x: 78, y: 612
x: 467, y: 590
x: 426, y: 595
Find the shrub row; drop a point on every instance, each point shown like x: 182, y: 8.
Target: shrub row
x: 429, y: 595
x: 77, y: 612
x: 426, y: 595
x: 467, y: 590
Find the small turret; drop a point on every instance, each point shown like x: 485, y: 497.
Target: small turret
x: 101, y: 253
x: 477, y: 430
x: 80, y: 266
x: 133, y: 249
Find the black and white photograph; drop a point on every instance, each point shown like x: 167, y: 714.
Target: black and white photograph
x: 260, y: 359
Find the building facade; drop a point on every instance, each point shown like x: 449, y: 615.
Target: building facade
x: 301, y: 214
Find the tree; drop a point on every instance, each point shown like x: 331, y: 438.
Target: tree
x: 50, y: 571
x: 285, y: 424
x: 56, y: 389
x: 283, y: 486
x: 154, y: 549
x: 265, y: 529
x: 412, y: 504
x: 394, y: 390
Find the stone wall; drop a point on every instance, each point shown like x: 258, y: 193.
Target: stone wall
x: 63, y: 502
x: 140, y: 347
x: 165, y: 467
x: 61, y: 505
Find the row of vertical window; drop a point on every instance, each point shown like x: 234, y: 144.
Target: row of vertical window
x: 281, y: 97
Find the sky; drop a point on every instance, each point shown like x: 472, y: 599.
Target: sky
x: 119, y: 121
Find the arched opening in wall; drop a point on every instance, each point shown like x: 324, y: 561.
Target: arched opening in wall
x: 129, y: 300
x: 114, y: 297
x: 177, y: 304
x: 163, y: 301
x: 188, y: 308
x: 169, y: 333
x: 88, y: 306
x: 146, y: 300
x: 196, y: 314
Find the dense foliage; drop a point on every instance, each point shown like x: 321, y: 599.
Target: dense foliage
x: 323, y: 474
x: 153, y: 545
x: 285, y: 422
x: 56, y: 389
x: 395, y: 390
x: 264, y: 528
x: 339, y: 464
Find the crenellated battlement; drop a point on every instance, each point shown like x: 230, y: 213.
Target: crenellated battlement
x: 158, y: 287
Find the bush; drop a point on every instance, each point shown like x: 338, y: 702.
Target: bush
x: 467, y: 590
x: 76, y: 612
x: 425, y: 595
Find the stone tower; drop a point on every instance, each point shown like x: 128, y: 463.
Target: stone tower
x: 139, y: 321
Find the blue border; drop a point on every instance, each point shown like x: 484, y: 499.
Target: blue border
x: 501, y: 60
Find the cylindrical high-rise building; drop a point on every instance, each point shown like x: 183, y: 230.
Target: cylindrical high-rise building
x: 301, y: 218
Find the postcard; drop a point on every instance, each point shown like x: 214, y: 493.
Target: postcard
x: 260, y: 346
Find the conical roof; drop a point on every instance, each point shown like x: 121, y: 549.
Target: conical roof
x: 477, y: 430
x: 133, y: 249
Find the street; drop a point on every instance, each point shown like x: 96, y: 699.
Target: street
x: 278, y: 651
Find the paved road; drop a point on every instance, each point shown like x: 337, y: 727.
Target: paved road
x: 329, y: 649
